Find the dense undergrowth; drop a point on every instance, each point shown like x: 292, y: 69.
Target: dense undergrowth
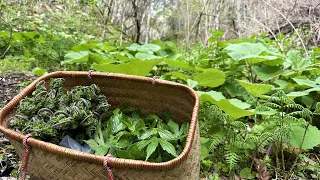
x: 260, y: 110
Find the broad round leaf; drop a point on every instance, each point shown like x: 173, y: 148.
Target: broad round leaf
x: 211, y: 78
x: 311, y: 137
x: 256, y: 89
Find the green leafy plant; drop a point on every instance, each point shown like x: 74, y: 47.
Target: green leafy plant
x: 135, y: 137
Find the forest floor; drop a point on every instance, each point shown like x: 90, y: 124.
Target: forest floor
x: 10, y: 85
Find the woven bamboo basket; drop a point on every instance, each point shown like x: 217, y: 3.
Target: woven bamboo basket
x: 50, y: 161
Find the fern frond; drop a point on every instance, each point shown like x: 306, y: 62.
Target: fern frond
x: 232, y: 159
x: 272, y: 105
x: 265, y: 139
x: 295, y: 113
x: 282, y: 133
x: 263, y: 108
x: 216, y: 140
x: 294, y: 106
x: 238, y: 125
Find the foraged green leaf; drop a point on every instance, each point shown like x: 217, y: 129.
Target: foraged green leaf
x: 308, y: 139
x: 165, y: 134
x: 152, y: 147
x: 135, y: 67
x: 167, y: 146
x: 173, y: 126
x: 256, y: 89
x: 210, y: 78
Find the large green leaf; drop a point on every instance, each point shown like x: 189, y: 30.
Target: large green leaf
x: 224, y: 104
x: 303, y: 81
x: 239, y: 103
x: 76, y: 57
x: 149, y: 47
x: 267, y: 72
x: 295, y: 60
x: 145, y: 56
x: 191, y: 83
x: 249, y: 51
x: 135, y: 67
x: 211, y: 94
x: 144, y: 48
x: 256, y: 89
x: 311, y: 137
x: 224, y: 44
x: 210, y: 78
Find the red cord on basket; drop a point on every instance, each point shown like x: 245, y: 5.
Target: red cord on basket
x: 89, y: 74
x: 23, y: 167
x: 105, y: 165
x: 154, y: 80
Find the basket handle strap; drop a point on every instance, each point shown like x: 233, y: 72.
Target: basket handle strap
x: 89, y: 73
x: 105, y: 165
x: 23, y: 167
x: 154, y: 80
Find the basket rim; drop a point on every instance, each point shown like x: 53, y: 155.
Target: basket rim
x: 113, y: 161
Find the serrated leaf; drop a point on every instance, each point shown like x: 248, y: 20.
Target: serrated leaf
x: 148, y: 134
x: 135, y: 67
x: 167, y: 146
x: 256, y: 89
x: 116, y: 124
x: 165, y: 134
x: 310, y: 140
x: 142, y: 144
x: 102, y: 150
x: 173, y: 126
x: 92, y: 143
x: 152, y: 147
x: 211, y: 78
